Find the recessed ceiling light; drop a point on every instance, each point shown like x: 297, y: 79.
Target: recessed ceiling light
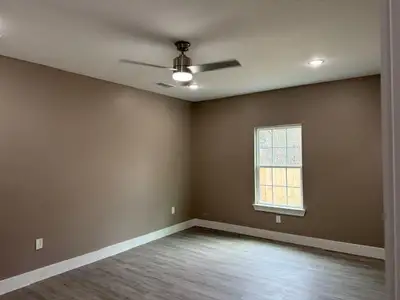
x: 316, y: 62
x: 194, y: 86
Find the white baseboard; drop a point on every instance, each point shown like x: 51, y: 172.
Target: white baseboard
x: 361, y: 250
x: 20, y: 281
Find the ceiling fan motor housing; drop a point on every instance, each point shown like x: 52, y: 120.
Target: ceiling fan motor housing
x: 181, y: 63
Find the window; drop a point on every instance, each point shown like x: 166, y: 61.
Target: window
x: 278, y: 170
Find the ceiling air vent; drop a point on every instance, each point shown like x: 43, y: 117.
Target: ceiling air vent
x: 164, y: 85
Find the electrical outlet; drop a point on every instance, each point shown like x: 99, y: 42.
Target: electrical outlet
x: 173, y: 210
x: 278, y: 219
x: 39, y: 244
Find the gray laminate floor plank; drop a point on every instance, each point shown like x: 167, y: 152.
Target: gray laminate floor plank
x: 201, y: 264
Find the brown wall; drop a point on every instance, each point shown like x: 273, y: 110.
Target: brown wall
x: 84, y: 164
x: 341, y: 157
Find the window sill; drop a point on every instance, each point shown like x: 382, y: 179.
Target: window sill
x: 298, y: 212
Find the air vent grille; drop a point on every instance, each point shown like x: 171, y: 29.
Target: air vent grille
x: 164, y: 85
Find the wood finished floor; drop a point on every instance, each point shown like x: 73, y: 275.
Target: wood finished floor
x: 199, y: 264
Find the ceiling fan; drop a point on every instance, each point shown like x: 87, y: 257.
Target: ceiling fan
x: 183, y: 69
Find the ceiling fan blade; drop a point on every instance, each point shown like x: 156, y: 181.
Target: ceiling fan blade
x: 215, y: 66
x: 127, y: 61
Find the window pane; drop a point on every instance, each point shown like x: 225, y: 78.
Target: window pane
x: 294, y: 157
x: 279, y: 195
x: 266, y: 157
x: 294, y: 197
x: 294, y: 177
x: 262, y: 193
x: 265, y: 176
x: 266, y: 195
x: 279, y: 137
x: 279, y: 156
x: 265, y: 138
x: 279, y: 176
x: 294, y: 137
x: 279, y: 163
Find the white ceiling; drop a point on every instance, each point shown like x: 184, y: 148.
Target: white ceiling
x: 273, y: 39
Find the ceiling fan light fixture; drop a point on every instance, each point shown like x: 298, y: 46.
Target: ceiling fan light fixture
x: 182, y: 76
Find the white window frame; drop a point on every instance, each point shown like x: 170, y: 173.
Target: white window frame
x: 281, y: 210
